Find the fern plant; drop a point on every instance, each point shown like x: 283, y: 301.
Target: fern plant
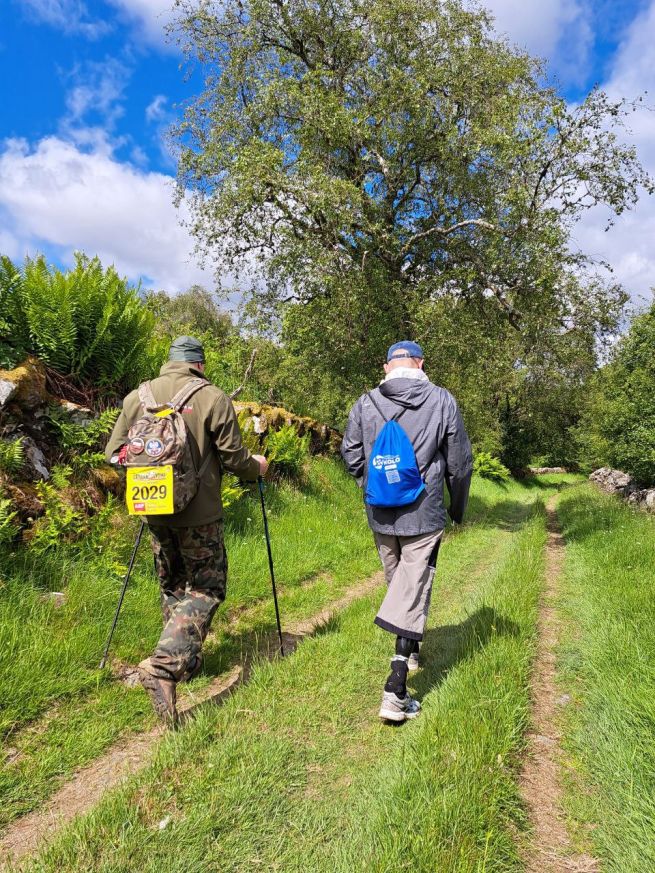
x: 77, y: 436
x: 12, y: 455
x: 14, y: 336
x: 8, y: 528
x: 60, y: 521
x: 288, y: 451
x: 488, y: 467
x: 231, y: 491
x: 87, y: 323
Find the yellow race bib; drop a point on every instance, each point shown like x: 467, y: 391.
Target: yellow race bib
x: 149, y: 490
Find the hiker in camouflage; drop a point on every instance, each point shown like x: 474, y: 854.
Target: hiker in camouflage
x: 188, y: 546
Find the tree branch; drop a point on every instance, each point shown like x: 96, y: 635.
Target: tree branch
x: 246, y: 376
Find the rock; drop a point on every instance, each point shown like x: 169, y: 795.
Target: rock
x: 57, y: 598
x: 28, y: 380
x: 613, y: 481
x: 35, y: 458
x: 649, y: 499
x: 540, y: 471
x: 108, y: 479
x: 260, y: 419
x: 80, y: 415
x: 7, y: 391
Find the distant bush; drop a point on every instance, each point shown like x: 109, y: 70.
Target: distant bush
x: 85, y: 323
x: 618, y: 427
x: 488, y: 467
x: 287, y: 451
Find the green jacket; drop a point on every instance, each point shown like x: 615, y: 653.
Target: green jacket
x: 213, y: 427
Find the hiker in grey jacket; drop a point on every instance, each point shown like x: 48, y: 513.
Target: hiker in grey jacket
x: 408, y: 537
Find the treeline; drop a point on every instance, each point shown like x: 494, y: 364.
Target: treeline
x: 546, y: 402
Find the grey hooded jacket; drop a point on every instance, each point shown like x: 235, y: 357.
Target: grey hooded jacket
x: 436, y: 430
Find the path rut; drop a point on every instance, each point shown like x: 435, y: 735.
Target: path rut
x: 550, y: 850
x: 29, y: 833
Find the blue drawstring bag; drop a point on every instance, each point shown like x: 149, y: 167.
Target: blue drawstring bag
x: 393, y: 475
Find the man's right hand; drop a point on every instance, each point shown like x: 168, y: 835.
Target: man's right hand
x: 263, y: 464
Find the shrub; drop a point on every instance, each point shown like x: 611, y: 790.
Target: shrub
x: 488, y: 467
x: 288, y: 451
x: 86, y: 323
x: 14, y: 336
x: 618, y: 427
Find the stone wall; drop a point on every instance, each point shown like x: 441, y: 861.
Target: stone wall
x: 621, y: 484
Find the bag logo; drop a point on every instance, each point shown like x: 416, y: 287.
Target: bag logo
x: 137, y: 446
x: 386, y: 461
x: 154, y: 448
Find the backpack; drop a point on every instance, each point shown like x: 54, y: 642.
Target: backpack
x: 160, y: 439
x: 393, y: 474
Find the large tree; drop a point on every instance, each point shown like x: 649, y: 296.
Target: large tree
x: 367, y: 158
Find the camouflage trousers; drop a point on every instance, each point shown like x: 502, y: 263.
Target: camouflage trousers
x: 191, y: 565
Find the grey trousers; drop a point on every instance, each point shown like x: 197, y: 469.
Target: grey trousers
x: 409, y: 566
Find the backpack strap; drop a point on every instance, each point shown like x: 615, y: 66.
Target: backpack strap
x: 186, y: 393
x: 147, y: 398
x: 394, y: 417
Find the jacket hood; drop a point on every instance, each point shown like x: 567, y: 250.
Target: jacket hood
x: 410, y: 393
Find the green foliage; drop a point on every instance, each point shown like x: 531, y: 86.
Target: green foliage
x: 8, y: 528
x: 369, y: 173
x: 618, y: 427
x: 12, y: 455
x: 14, y: 339
x: 86, y: 323
x: 287, y: 451
x: 76, y: 436
x: 231, y: 491
x: 488, y: 467
x: 61, y: 521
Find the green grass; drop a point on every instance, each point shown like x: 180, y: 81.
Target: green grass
x: 295, y: 772
x: 59, y: 711
x: 608, y: 666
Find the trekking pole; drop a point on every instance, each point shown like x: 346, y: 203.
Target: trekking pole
x: 123, y: 590
x: 260, y: 482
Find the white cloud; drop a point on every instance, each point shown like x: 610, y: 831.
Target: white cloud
x: 541, y: 27
x: 151, y: 17
x: 156, y: 109
x: 628, y: 246
x: 70, y: 16
x: 57, y: 195
x: 97, y: 89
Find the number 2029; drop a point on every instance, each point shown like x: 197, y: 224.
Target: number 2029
x: 149, y: 492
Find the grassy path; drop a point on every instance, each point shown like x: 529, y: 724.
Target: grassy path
x: 295, y: 772
x: 607, y: 668
x: 549, y: 848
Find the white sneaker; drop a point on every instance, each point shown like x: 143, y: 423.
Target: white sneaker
x: 396, y: 708
x: 412, y: 662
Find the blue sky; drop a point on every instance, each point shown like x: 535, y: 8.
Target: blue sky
x: 89, y: 88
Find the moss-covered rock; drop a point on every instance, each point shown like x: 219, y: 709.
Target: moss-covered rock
x: 29, y: 379
x: 257, y: 419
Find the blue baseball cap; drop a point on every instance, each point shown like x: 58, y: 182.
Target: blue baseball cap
x: 412, y: 350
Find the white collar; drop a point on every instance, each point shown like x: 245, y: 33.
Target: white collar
x: 407, y: 373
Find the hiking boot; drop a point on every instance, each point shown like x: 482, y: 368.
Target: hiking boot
x: 192, y: 670
x: 396, y: 708
x: 161, y: 693
x: 412, y: 662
